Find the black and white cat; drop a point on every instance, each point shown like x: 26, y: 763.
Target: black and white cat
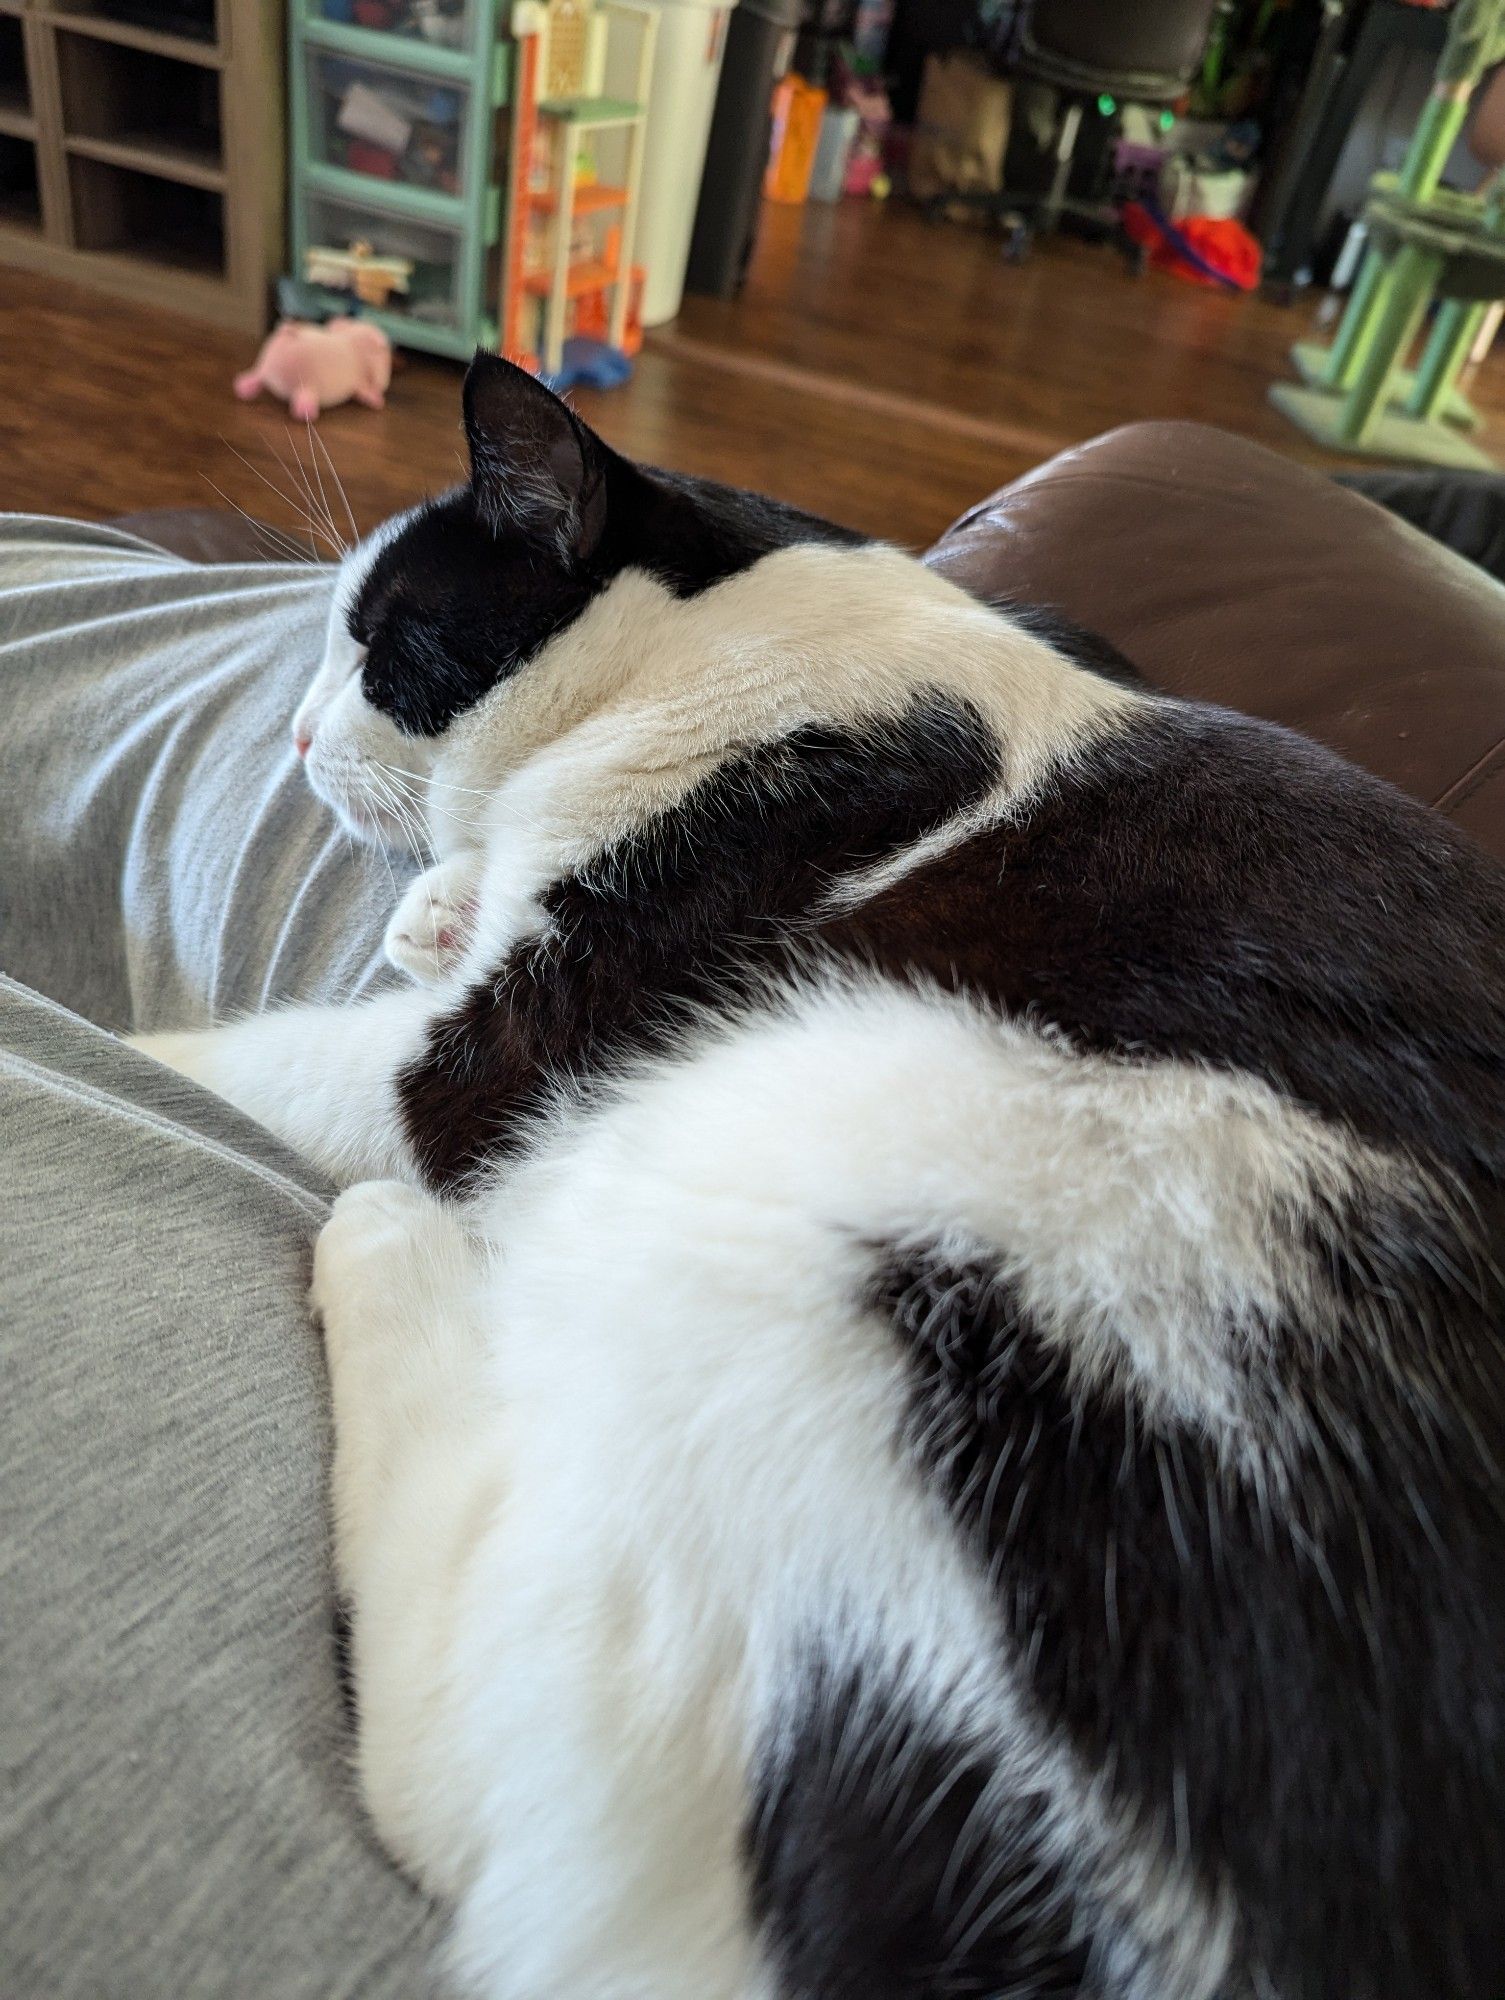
x: 920, y: 1403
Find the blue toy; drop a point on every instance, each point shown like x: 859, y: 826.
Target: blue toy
x: 590, y: 364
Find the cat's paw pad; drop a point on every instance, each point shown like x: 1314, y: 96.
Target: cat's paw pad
x: 431, y: 931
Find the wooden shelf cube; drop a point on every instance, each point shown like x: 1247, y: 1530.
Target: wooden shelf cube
x: 141, y: 149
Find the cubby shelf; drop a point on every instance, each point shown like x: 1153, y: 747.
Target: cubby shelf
x: 20, y: 182
x: 142, y: 157
x: 147, y: 153
x: 126, y: 35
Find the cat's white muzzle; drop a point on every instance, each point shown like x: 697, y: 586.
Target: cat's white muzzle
x: 357, y: 760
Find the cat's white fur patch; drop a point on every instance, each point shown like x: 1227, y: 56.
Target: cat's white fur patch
x: 627, y: 1430
x: 678, y: 1450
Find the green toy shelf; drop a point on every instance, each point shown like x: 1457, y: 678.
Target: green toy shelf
x: 393, y: 119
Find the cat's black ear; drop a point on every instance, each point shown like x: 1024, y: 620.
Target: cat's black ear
x: 535, y: 469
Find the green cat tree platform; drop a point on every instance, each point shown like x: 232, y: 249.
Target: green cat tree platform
x: 1310, y: 359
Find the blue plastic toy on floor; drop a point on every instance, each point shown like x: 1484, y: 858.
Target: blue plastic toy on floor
x: 590, y: 364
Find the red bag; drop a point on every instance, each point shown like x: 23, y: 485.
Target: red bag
x: 1202, y: 250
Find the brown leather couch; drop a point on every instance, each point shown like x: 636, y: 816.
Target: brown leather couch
x: 1226, y: 572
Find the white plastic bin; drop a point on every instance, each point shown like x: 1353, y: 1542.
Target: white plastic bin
x: 686, y: 71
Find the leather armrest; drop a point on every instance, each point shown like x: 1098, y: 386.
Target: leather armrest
x: 1226, y: 572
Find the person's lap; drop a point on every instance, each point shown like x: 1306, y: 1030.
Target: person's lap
x: 161, y: 860
x: 178, y: 1813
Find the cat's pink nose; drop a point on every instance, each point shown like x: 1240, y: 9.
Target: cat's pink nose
x: 301, y: 742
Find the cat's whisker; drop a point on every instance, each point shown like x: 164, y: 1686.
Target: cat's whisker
x: 447, y: 784
x: 305, y: 485
x: 482, y: 821
x: 472, y: 822
x: 393, y: 782
x: 339, y: 487
x: 386, y: 861
x: 282, y: 546
x: 295, y: 541
x: 359, y: 848
x: 311, y: 475
x: 406, y: 811
x: 376, y: 777
x: 318, y: 474
x: 392, y: 798
x: 272, y: 487
x: 412, y: 831
x: 316, y: 526
x: 476, y: 822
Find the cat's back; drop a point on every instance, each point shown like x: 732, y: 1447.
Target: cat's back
x: 1200, y: 885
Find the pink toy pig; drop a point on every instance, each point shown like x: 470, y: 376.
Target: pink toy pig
x: 313, y: 367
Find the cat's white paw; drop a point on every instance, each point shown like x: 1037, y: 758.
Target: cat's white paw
x: 431, y: 930
x: 173, y: 1051
x: 371, y: 1224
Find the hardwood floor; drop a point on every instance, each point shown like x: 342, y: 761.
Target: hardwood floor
x: 876, y: 368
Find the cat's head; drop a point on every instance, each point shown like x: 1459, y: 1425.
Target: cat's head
x: 452, y: 600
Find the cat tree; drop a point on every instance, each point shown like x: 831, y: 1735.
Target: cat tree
x: 1426, y: 243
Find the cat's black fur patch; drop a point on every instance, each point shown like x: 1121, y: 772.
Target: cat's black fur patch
x: 447, y: 609
x: 882, y: 1870
x: 1200, y: 886
x: 1307, y: 1691
x: 684, y: 912
x: 1204, y: 885
x: 1072, y: 641
x: 475, y: 583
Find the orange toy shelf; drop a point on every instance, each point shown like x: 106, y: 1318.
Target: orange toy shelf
x: 582, y: 278
x: 567, y: 272
x: 592, y: 200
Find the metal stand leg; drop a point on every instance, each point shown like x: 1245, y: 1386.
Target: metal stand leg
x: 1066, y: 138
x: 1489, y: 326
x: 621, y: 291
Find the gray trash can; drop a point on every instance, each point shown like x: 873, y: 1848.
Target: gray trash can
x: 759, y: 45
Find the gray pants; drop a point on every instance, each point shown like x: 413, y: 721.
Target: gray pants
x: 177, y: 1815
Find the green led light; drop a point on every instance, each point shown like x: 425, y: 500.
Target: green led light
x: 1107, y: 105
x: 1167, y: 120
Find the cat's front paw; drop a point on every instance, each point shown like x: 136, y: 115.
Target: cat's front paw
x: 431, y: 931
x: 370, y: 1225
x: 187, y: 1051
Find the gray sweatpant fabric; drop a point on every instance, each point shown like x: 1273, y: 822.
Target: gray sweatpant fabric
x: 176, y: 1810
x: 161, y: 859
